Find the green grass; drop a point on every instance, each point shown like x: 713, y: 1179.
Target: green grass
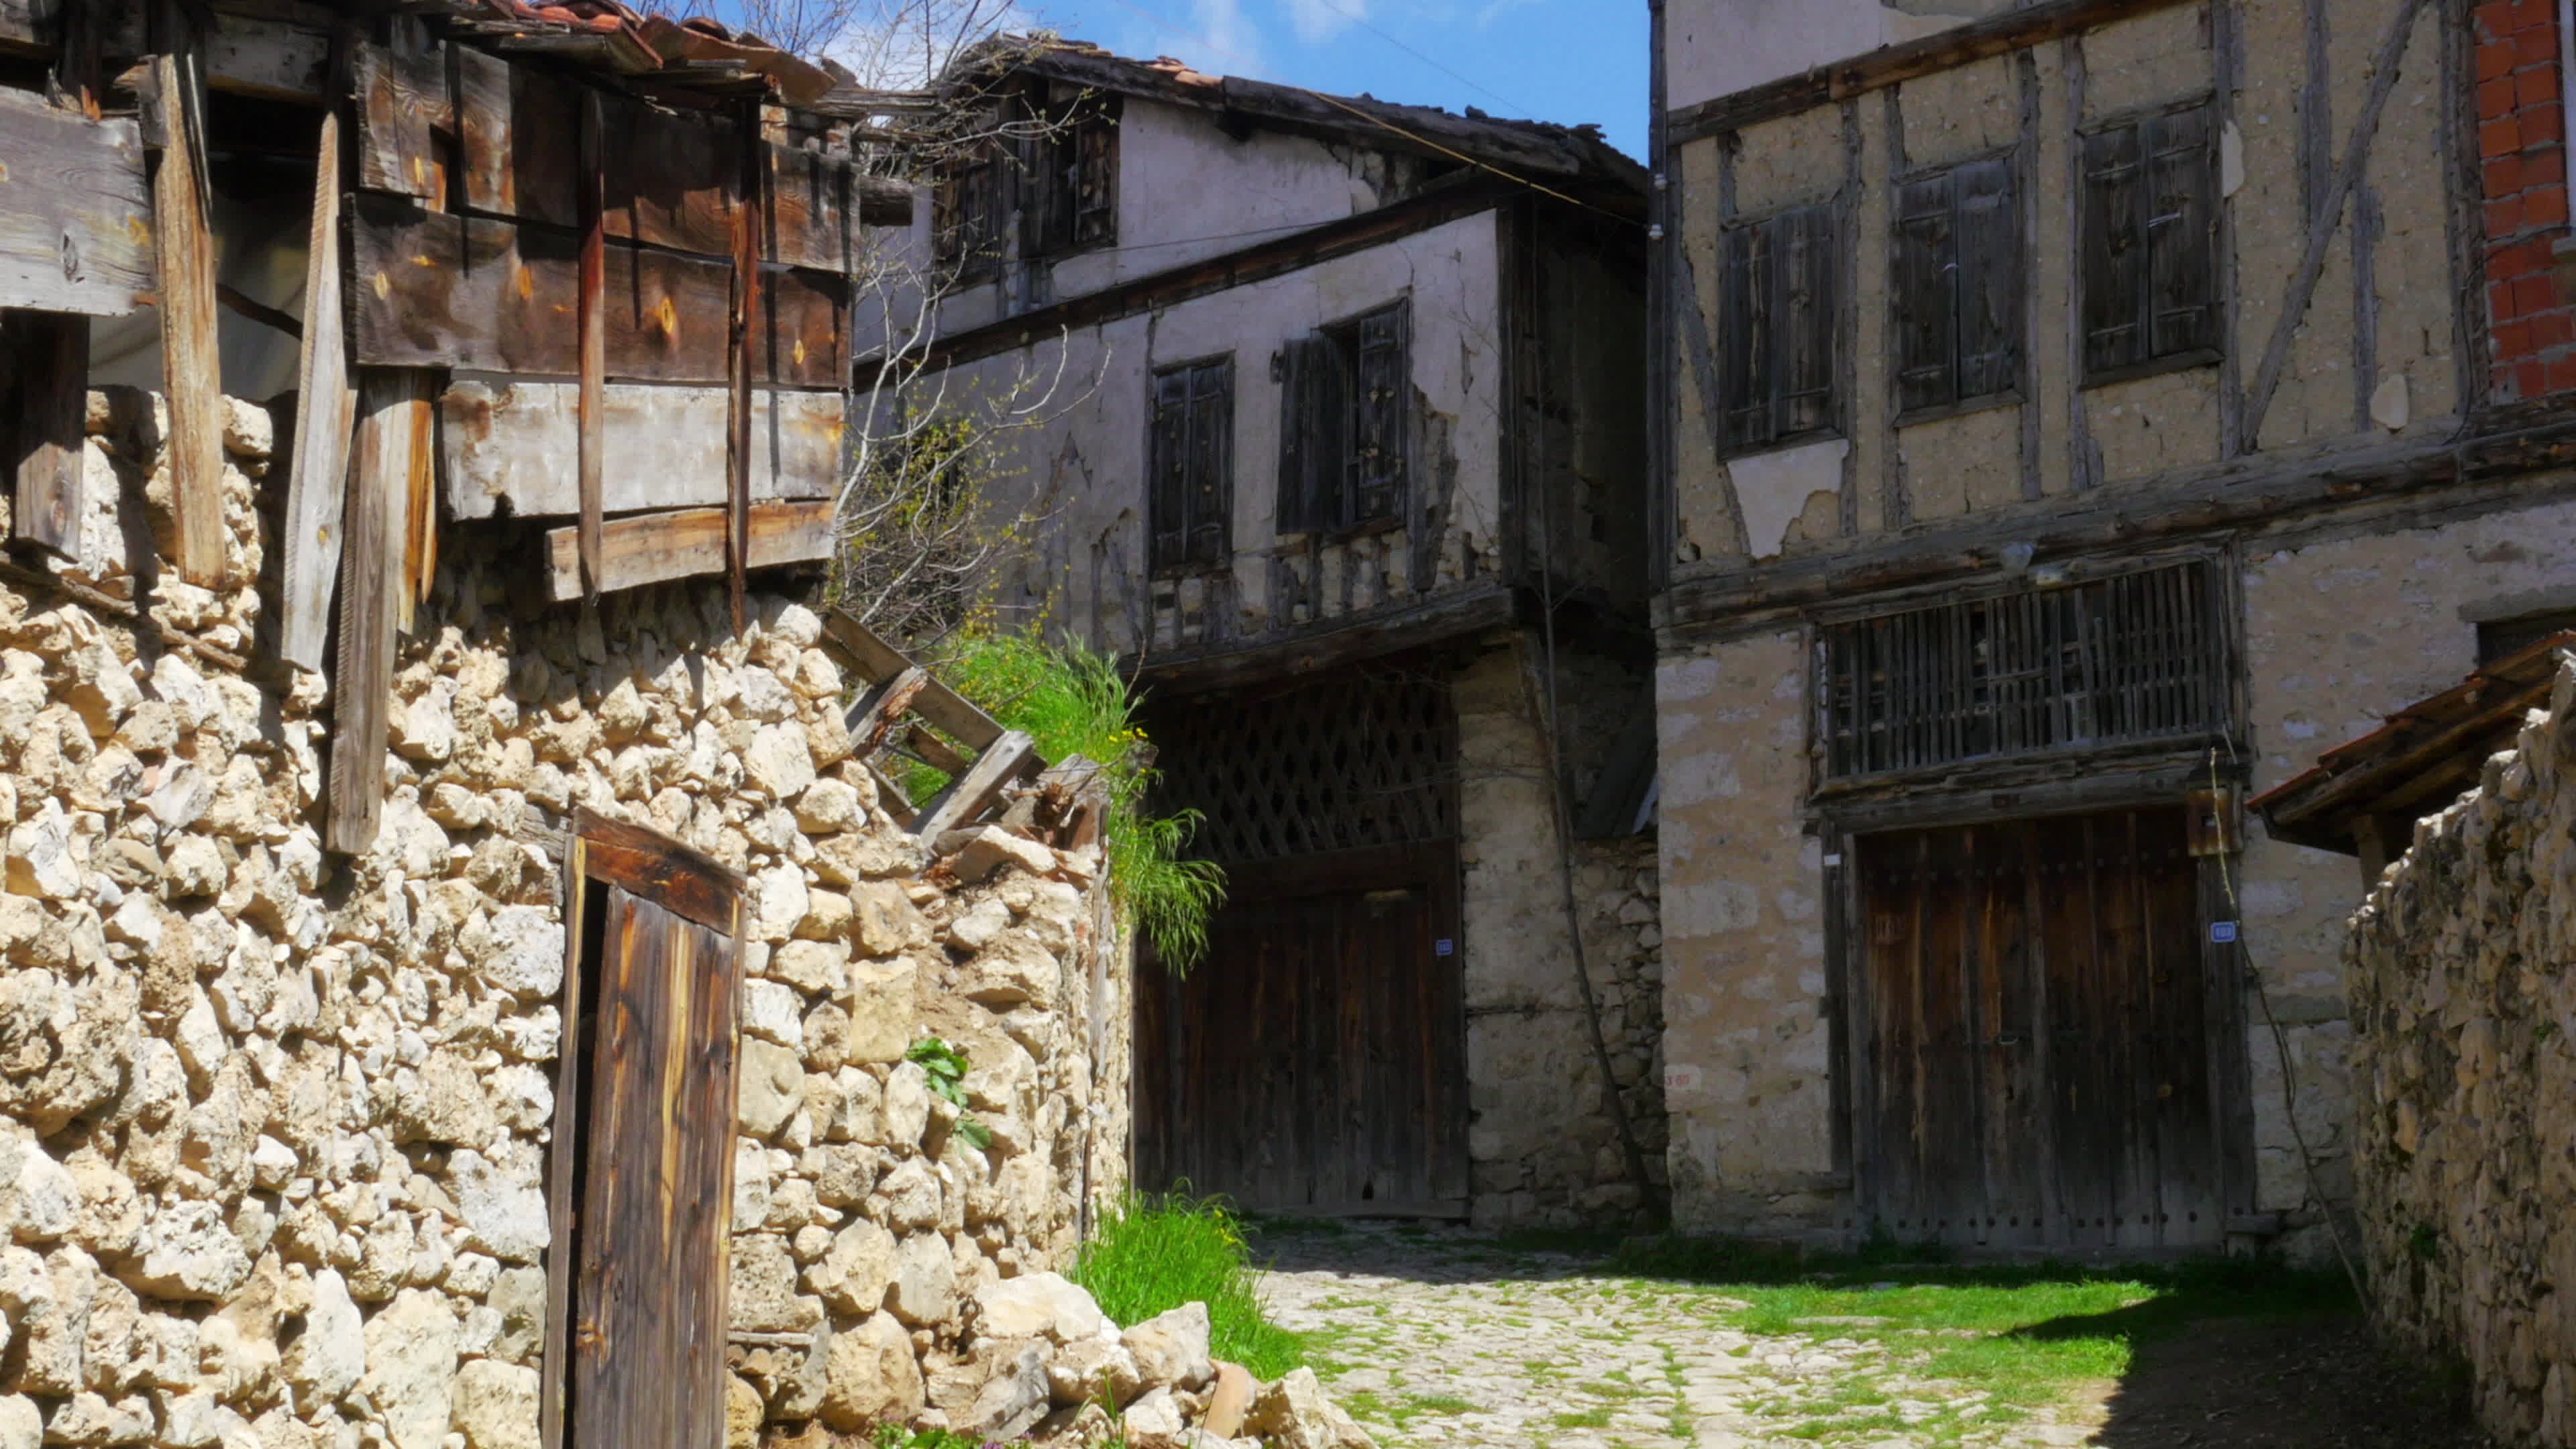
x: 2009, y: 1339
x: 1072, y: 701
x: 1154, y: 1254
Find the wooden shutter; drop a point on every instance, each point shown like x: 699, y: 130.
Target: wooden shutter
x: 1313, y: 436
x: 1927, y: 291
x: 1807, y: 272
x: 1987, y: 234
x: 2114, y: 251
x: 1745, y: 337
x: 1211, y: 463
x: 1167, y: 505
x: 1380, y: 401
x: 2181, y: 201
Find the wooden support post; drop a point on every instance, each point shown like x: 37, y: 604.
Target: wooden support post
x: 591, y: 179
x: 184, y: 246
x: 393, y: 406
x: 49, y: 353
x: 746, y: 303
x: 325, y: 408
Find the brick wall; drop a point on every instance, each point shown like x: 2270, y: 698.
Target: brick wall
x: 2522, y: 145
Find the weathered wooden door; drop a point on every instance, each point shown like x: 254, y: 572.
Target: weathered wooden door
x: 1315, y: 1061
x: 642, y: 1180
x: 2041, y: 1028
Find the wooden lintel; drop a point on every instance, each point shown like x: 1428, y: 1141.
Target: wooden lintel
x: 1895, y: 64
x: 317, y: 474
x: 683, y: 881
x: 184, y: 249
x: 652, y: 548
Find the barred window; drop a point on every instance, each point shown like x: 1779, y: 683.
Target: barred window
x: 2135, y: 658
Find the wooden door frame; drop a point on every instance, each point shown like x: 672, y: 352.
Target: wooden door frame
x: 1841, y: 828
x: 695, y: 887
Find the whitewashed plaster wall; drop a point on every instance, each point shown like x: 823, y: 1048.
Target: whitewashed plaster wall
x: 1080, y: 470
x: 1717, y: 47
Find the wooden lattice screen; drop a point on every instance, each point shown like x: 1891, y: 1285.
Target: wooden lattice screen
x: 1359, y: 761
x: 2138, y: 657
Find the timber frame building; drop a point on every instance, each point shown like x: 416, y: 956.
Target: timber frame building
x: 1351, y: 412
x: 2073, y: 416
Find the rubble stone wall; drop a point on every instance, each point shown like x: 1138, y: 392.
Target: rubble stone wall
x: 2462, y: 967
x: 274, y: 1123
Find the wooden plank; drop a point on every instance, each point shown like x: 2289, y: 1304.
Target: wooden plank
x: 1012, y: 757
x: 508, y: 447
x: 362, y: 681
x: 75, y: 212
x: 589, y: 412
x: 652, y: 548
x: 933, y: 751
x: 403, y: 105
x: 686, y: 882
x: 269, y: 60
x: 419, y: 504
x: 876, y: 661
x: 874, y: 716
x: 47, y: 355
x: 564, y: 1149
x: 191, y: 366
x: 743, y: 307
x: 493, y: 296
x: 317, y: 476
x: 648, y: 1339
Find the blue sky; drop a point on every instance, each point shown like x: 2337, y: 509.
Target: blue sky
x: 1570, y: 61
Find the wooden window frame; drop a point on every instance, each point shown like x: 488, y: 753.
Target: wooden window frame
x: 970, y: 210
x: 1938, y: 244
x: 1075, y: 152
x: 2118, y: 281
x: 1762, y: 354
x: 1346, y: 448
x: 1190, y: 497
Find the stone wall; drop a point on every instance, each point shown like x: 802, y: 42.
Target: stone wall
x: 274, y: 1124
x: 2464, y: 1070
x: 1542, y: 1149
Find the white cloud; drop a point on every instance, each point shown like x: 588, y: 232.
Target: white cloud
x: 1318, y: 21
x: 1231, y: 34
x: 1496, y: 9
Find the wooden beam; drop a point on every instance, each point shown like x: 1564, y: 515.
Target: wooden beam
x: 75, y: 212
x: 738, y: 364
x: 481, y: 295
x: 47, y: 354
x: 2327, y: 220
x: 933, y: 751
x: 509, y: 447
x: 652, y: 548
x: 876, y: 713
x: 191, y: 365
x: 1012, y: 757
x: 419, y: 500
x: 878, y: 661
x: 1336, y: 642
x: 589, y: 180
x: 317, y: 476
x: 1895, y: 64
x: 683, y: 881
x: 372, y: 529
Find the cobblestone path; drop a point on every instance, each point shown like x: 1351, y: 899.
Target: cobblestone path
x: 1436, y: 1338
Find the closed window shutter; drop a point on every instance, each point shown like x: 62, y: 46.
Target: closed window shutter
x: 1384, y: 386
x: 2181, y: 201
x: 2114, y: 251
x: 946, y: 205
x: 1987, y: 238
x: 1167, y: 507
x: 1211, y: 462
x: 1744, y: 335
x: 1807, y: 271
x: 1927, y: 287
x: 1095, y: 182
x: 1313, y: 431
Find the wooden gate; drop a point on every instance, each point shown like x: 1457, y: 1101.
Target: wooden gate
x: 2045, y: 1034
x: 1315, y: 1061
x: 641, y: 1175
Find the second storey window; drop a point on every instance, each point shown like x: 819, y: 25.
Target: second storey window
x: 2150, y: 244
x: 1958, y: 287
x: 1191, y: 505
x: 1345, y: 423
x: 1072, y: 171
x: 1776, y: 311
x: 1053, y: 168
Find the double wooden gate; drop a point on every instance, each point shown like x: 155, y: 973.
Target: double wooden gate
x: 2046, y: 1036
x: 1315, y: 1061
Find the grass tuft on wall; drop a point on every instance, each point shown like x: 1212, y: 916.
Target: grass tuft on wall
x: 1154, y: 1253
